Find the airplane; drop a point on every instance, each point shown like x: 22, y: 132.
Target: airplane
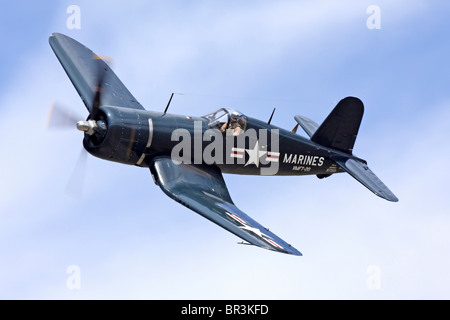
x: 187, y: 155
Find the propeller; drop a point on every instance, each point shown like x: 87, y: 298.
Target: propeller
x: 91, y: 126
x: 62, y: 117
x: 75, y: 185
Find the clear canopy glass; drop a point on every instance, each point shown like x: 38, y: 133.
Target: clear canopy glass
x: 228, y: 121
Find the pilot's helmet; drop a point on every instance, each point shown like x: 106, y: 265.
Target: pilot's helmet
x: 233, y: 122
x: 241, y: 121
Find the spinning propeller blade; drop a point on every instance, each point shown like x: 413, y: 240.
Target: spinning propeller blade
x: 75, y: 185
x: 60, y: 117
x: 98, y: 89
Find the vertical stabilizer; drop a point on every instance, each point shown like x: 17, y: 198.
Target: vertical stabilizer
x: 340, y: 128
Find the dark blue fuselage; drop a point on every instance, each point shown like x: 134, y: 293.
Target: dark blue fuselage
x: 136, y: 137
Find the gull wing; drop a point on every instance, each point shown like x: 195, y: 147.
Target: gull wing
x: 84, y: 67
x: 202, y: 189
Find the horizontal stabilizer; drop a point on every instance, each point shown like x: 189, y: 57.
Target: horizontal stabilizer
x: 340, y: 128
x: 361, y: 172
x: 307, y: 124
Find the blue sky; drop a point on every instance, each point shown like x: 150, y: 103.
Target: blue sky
x: 131, y: 241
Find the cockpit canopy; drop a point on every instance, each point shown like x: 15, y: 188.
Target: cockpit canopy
x: 228, y: 121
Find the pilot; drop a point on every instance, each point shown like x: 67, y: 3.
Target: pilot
x: 236, y: 127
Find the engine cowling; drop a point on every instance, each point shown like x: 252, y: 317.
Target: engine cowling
x: 116, y: 134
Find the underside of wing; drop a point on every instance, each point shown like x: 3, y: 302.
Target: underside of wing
x: 84, y: 67
x: 202, y: 189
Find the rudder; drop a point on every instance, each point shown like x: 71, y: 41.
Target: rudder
x: 340, y: 128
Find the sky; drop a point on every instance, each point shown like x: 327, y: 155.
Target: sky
x: 125, y: 239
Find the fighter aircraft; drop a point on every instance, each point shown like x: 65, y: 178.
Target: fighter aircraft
x: 187, y: 155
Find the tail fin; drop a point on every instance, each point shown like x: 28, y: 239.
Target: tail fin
x: 338, y: 132
x: 340, y: 128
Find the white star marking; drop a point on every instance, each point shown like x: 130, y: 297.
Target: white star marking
x: 254, y: 155
x: 254, y: 230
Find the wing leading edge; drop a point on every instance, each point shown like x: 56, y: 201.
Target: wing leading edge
x: 202, y: 189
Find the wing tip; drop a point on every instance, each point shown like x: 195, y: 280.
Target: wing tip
x: 54, y: 36
x: 291, y: 250
x: 389, y: 197
x: 295, y: 252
